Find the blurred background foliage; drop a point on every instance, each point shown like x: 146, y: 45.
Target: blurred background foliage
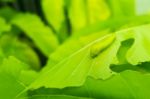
x: 37, y: 27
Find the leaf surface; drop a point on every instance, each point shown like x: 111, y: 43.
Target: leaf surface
x: 74, y: 69
x: 15, y: 76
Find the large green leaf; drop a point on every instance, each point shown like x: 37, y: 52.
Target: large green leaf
x: 73, y: 44
x: 128, y: 84
x: 95, y: 59
x: 77, y: 66
x: 42, y: 35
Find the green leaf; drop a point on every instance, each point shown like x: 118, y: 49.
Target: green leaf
x: 139, y: 52
x: 42, y: 35
x: 73, y: 44
x: 4, y: 27
x: 10, y: 84
x: 15, y: 76
x: 122, y: 8
x: 19, y: 49
x: 77, y: 14
x: 78, y: 66
x: 128, y: 84
x: 114, y: 24
x: 83, y: 13
x: 55, y: 97
x: 98, y: 10
x: 74, y: 69
x: 54, y: 12
x: 7, y: 13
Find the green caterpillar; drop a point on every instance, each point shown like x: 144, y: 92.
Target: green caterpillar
x: 101, y: 45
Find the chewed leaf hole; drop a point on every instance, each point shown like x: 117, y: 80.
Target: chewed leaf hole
x: 125, y: 45
x: 121, y: 68
x: 143, y: 67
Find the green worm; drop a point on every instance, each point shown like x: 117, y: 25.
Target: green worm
x: 101, y: 45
